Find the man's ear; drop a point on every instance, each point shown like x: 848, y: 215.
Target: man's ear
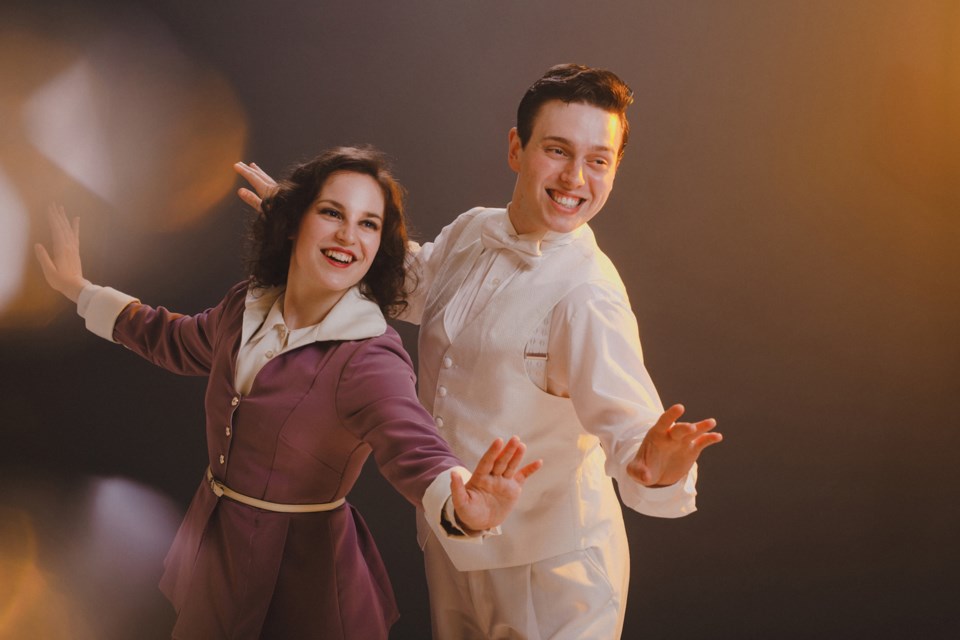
x: 514, y: 150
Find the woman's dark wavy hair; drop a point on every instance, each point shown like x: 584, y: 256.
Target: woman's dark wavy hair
x: 575, y: 83
x: 271, y: 234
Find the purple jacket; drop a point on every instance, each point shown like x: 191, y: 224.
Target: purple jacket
x: 301, y: 435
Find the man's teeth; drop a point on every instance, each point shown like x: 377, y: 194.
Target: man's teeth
x: 565, y: 201
x: 339, y: 256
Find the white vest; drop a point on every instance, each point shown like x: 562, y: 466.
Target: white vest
x: 477, y: 388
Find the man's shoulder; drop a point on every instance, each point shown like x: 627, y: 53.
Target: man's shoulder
x: 594, y: 265
x: 466, y: 227
x: 477, y: 214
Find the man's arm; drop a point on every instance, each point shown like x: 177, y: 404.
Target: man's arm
x: 596, y: 360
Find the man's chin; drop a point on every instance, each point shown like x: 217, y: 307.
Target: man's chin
x: 564, y: 223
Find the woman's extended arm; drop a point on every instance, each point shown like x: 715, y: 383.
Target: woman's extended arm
x: 181, y: 344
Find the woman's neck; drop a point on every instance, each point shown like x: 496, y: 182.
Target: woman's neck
x: 305, y: 306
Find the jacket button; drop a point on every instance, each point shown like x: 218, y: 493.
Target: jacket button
x: 439, y: 421
x: 222, y: 458
x: 234, y: 401
x: 442, y: 392
x: 228, y: 432
x: 447, y: 362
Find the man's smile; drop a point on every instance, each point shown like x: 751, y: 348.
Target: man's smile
x: 565, y: 200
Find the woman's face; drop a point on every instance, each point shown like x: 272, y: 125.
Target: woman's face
x: 339, y: 235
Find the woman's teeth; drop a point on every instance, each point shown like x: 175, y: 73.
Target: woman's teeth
x: 338, y: 256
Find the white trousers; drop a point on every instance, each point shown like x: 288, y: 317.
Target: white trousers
x: 580, y: 595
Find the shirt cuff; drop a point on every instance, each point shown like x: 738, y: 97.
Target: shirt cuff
x: 440, y: 513
x: 100, y: 307
x: 673, y: 501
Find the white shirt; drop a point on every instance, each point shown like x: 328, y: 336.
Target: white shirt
x: 588, y: 349
x: 265, y: 334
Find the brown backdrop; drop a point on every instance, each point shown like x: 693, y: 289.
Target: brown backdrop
x: 786, y: 221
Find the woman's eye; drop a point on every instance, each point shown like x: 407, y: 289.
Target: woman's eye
x: 370, y: 224
x: 333, y: 213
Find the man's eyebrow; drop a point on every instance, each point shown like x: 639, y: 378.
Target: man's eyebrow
x: 566, y: 141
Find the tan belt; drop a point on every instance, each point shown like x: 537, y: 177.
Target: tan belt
x: 221, y: 489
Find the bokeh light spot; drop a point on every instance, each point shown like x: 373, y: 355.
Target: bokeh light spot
x: 14, y: 241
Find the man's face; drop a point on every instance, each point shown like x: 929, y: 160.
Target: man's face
x: 566, y: 171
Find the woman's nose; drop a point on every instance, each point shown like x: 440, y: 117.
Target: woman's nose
x: 346, y: 233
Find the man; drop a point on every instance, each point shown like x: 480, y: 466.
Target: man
x: 526, y: 327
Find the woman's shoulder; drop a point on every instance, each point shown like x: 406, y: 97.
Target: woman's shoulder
x: 389, y: 341
x: 383, y: 351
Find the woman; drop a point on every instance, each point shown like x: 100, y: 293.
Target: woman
x: 305, y: 379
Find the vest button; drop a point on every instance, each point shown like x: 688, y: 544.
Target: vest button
x: 447, y: 362
x: 442, y: 392
x: 222, y: 458
x: 234, y: 401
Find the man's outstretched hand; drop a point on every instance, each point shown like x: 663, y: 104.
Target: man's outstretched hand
x: 670, y: 448
x: 263, y: 185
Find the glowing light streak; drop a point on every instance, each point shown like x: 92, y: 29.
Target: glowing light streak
x: 14, y: 241
x: 63, y: 122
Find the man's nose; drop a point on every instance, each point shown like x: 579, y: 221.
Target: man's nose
x: 573, y: 173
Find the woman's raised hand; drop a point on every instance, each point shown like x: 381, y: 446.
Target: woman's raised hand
x: 487, y: 499
x: 63, y: 270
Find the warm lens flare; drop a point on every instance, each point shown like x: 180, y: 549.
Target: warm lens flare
x: 116, y: 123
x: 29, y: 606
x: 80, y: 560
